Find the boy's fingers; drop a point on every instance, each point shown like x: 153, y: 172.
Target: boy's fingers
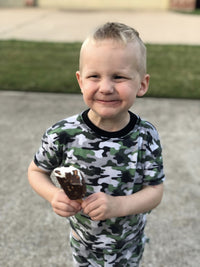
x: 91, y: 208
x: 65, y: 207
x: 76, y: 205
x: 63, y: 198
x: 64, y: 213
x: 89, y: 200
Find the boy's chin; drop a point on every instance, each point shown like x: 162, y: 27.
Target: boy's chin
x: 109, y: 114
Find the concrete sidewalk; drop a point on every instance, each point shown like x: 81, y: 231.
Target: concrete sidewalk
x: 63, y: 26
x: 31, y: 234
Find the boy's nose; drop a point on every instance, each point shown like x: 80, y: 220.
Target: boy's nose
x: 106, y: 86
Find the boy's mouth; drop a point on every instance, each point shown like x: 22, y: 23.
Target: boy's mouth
x: 108, y: 101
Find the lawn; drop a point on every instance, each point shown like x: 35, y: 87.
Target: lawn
x: 51, y: 67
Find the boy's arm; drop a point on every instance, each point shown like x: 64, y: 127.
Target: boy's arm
x: 40, y: 181
x: 100, y: 206
x: 42, y: 184
x: 143, y: 201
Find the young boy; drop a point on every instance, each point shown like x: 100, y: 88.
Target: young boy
x: 118, y: 152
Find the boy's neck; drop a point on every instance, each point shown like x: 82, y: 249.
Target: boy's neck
x: 109, y: 124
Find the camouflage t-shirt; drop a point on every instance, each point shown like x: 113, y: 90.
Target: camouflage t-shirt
x: 116, y: 163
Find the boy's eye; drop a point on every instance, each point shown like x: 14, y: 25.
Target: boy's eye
x: 119, y: 77
x: 93, y: 76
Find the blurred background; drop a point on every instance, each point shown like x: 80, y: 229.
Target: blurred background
x: 103, y: 4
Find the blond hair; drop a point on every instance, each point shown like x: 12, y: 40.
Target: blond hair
x: 123, y: 34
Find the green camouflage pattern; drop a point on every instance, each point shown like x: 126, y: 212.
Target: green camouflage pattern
x: 126, y: 257
x: 118, y: 166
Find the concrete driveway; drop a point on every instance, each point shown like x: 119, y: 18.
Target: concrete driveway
x: 60, y: 25
x: 32, y: 235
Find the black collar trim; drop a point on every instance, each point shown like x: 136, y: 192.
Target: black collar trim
x: 129, y: 127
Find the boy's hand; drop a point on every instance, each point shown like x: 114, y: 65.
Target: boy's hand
x: 100, y: 206
x: 64, y: 206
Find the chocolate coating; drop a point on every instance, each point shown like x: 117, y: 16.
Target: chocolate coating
x: 73, y: 185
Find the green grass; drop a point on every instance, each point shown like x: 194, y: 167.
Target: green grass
x: 174, y: 71
x: 51, y: 67
x: 190, y: 12
x: 35, y: 66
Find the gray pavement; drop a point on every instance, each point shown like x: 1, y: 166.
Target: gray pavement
x: 61, y: 25
x: 31, y: 234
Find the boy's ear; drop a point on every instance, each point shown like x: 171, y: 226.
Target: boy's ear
x: 78, y: 77
x: 144, y: 85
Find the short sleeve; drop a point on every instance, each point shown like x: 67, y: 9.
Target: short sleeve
x: 153, y: 173
x: 49, y: 155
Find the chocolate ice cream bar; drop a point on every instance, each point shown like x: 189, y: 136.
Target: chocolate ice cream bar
x: 71, y: 181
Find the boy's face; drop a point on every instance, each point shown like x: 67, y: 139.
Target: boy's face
x: 109, y: 79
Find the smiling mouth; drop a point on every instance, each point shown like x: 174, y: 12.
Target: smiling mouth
x: 108, y: 101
